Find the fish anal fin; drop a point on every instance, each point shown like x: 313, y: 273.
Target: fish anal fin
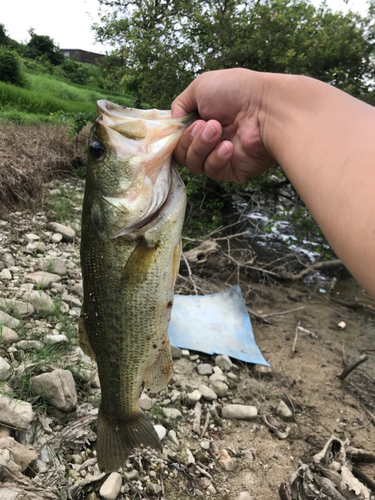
x: 159, y: 373
x: 139, y: 262
x: 176, y: 261
x: 117, y: 438
x: 83, y: 339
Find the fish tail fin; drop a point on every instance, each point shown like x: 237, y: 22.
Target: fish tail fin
x: 116, y: 439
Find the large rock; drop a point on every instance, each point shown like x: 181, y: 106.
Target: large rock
x: 9, y: 336
x: 71, y: 300
x: 56, y: 266
x: 57, y: 387
x: 145, y: 402
x: 21, y: 455
x: 15, y: 413
x: 8, y: 260
x: 9, y: 321
x: 176, y: 352
x: 224, y: 362
x: 42, y: 302
x: 207, y: 393
x: 43, y: 279
x: 30, y: 345
x: 171, y: 413
x: 220, y: 388
x: 5, y: 275
x: 68, y: 233
x: 239, y: 412
x: 205, y: 369
x: 5, y: 369
x: 78, y: 289
x: 24, y: 309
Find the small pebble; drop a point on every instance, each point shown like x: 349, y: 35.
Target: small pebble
x: 284, y: 411
x: 205, y: 445
x: 161, y: 431
x: 173, y: 437
x: 244, y: 495
x: 111, y: 487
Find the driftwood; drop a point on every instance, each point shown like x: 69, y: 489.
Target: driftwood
x: 329, y: 476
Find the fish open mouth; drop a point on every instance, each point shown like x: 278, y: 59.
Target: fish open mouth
x: 145, y: 139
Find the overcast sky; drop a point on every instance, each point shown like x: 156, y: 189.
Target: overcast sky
x: 69, y: 22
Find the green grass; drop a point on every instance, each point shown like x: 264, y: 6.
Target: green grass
x: 60, y: 89
x: 45, y: 95
x: 21, y: 118
x: 32, y: 101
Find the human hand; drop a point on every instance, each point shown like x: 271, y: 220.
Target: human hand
x: 226, y: 144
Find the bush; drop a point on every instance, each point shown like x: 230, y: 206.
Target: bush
x: 10, y: 67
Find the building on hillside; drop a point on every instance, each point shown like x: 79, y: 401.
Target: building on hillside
x: 82, y: 55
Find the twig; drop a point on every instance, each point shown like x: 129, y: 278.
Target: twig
x: 190, y: 274
x: 259, y: 317
x: 205, y: 425
x: 355, y: 305
x: 352, y: 367
x: 309, y: 332
x: 295, y: 339
x: 283, y: 312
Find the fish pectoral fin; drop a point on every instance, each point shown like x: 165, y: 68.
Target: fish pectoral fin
x: 138, y: 264
x: 83, y: 339
x: 176, y: 261
x: 117, y: 438
x: 159, y: 373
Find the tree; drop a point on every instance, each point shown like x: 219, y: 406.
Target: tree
x: 42, y: 46
x: 4, y: 39
x: 161, y: 45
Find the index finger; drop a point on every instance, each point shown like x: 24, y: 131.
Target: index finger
x: 185, y: 102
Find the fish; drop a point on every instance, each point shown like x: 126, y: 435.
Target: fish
x: 132, y: 216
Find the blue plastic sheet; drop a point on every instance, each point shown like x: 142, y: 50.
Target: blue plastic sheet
x: 215, y: 324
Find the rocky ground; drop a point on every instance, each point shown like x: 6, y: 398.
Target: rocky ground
x: 229, y: 430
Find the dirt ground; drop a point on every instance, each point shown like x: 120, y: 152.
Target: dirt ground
x: 324, y: 404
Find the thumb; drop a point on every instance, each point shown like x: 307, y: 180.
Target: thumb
x: 185, y: 102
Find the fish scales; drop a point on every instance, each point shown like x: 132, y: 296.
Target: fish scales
x: 130, y: 251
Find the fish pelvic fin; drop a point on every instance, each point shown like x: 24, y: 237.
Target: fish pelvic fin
x: 83, y: 339
x: 159, y: 373
x: 116, y: 439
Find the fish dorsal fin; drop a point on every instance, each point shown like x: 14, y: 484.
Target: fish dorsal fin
x: 159, y: 373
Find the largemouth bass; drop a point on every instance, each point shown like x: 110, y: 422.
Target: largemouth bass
x: 133, y: 211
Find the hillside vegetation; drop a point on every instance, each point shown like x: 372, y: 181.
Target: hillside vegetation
x: 46, y: 95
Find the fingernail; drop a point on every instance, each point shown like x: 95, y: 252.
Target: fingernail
x: 197, y: 127
x: 209, y: 132
x: 223, y: 150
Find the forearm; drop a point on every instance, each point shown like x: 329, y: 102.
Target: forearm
x: 325, y: 142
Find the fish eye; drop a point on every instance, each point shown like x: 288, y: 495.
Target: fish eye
x: 97, y: 150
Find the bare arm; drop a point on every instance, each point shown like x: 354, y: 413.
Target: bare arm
x: 323, y: 139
